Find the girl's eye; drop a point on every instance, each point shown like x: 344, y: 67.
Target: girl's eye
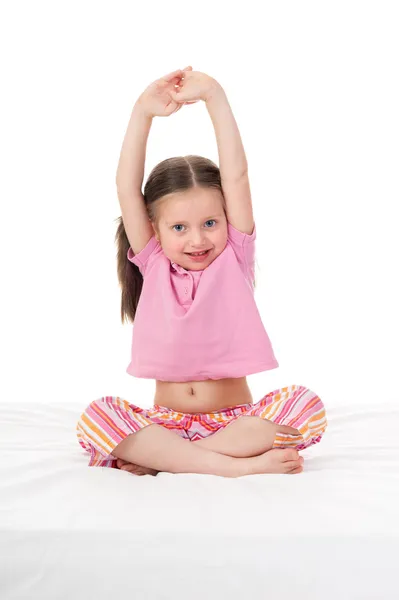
x: 178, y: 225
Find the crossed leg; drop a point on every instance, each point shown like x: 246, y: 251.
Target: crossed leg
x: 245, y: 437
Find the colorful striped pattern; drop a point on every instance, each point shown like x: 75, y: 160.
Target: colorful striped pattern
x: 110, y: 419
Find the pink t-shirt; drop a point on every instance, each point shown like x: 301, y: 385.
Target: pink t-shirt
x: 197, y: 325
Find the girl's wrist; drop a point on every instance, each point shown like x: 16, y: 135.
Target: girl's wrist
x: 215, y: 93
x: 140, y: 110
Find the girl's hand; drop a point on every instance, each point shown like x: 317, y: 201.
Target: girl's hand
x: 156, y: 100
x: 194, y: 86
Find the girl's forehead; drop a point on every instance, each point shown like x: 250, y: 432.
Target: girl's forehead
x: 192, y: 208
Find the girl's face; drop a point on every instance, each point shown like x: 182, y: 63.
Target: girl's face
x: 192, y: 221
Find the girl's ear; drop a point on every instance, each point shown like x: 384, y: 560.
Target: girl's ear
x: 155, y: 230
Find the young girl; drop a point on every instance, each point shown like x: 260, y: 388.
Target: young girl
x: 186, y: 252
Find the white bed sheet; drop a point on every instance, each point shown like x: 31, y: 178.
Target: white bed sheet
x: 68, y: 531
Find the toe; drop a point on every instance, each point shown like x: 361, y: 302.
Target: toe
x: 297, y: 470
x: 290, y: 454
x: 291, y: 464
x: 130, y: 468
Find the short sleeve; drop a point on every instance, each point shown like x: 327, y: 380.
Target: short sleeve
x: 144, y: 258
x: 244, y: 248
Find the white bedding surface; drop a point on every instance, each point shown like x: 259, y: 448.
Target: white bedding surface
x: 68, y: 531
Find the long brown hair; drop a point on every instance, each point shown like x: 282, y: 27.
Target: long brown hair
x: 172, y: 175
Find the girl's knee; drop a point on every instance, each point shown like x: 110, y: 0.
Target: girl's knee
x: 121, y: 450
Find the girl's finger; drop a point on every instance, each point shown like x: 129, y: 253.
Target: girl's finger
x: 172, y: 75
x: 176, y: 95
x: 176, y: 98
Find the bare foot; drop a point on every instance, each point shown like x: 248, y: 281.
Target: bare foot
x: 278, y: 460
x: 135, y: 469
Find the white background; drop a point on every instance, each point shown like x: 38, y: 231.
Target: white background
x: 314, y: 89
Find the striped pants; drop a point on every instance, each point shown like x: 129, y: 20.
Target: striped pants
x: 110, y: 419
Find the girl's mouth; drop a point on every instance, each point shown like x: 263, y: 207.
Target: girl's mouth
x: 198, y: 257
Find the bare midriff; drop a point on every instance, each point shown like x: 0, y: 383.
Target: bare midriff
x: 206, y: 396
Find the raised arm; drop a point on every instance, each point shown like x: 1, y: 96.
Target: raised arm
x: 154, y: 101
x: 129, y: 179
x: 232, y: 161
x: 196, y: 85
x: 130, y: 172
